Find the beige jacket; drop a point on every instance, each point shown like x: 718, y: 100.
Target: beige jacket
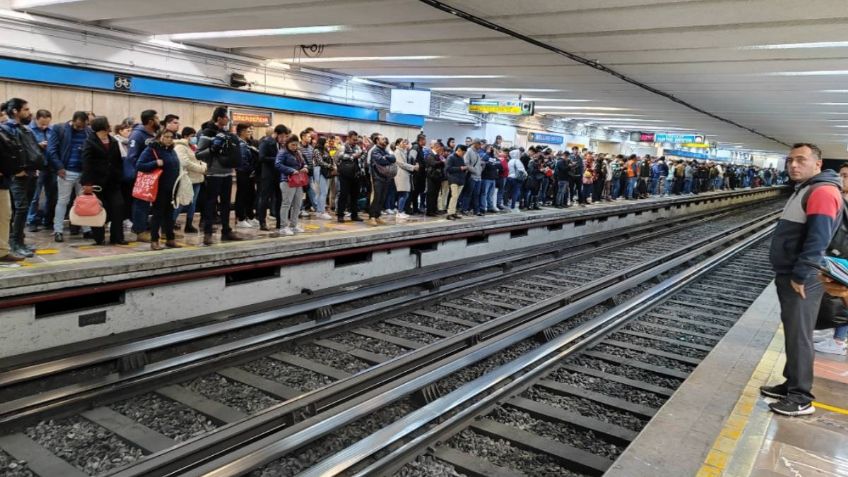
x: 403, y: 182
x: 195, y: 168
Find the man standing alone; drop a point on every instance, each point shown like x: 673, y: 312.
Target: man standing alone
x: 802, y: 235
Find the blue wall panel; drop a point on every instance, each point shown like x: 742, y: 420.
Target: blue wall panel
x: 84, y: 78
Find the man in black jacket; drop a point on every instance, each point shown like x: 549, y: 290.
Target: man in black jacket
x: 269, y: 177
x: 419, y: 178
x: 351, y: 171
x: 23, y: 182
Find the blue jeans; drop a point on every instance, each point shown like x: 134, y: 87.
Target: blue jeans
x: 543, y: 191
x: 66, y: 186
x: 140, y: 213
x: 46, y: 182
x: 631, y: 187
x: 515, y: 192
x: 484, y: 201
x: 322, y: 186
x: 616, y: 188
x: 391, y: 196
x: 687, y: 186
x: 562, y: 193
x: 191, y: 208
x: 401, y: 200
x: 841, y: 332
x: 470, y: 200
x: 500, y: 184
x: 654, y: 183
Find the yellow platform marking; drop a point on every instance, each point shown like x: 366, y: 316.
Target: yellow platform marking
x: 47, y: 251
x: 828, y: 407
x: 726, y: 442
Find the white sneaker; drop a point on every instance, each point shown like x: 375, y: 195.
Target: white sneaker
x: 402, y: 215
x: 822, y: 335
x: 127, y: 223
x: 391, y: 212
x: 254, y: 222
x: 347, y: 215
x: 830, y: 346
x: 244, y: 225
x: 303, y: 213
x: 325, y: 216
x: 286, y: 231
x: 299, y: 229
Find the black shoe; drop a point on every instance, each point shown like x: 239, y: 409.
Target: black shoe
x: 231, y: 237
x: 792, y: 409
x: 22, y: 252
x: 452, y: 217
x: 354, y: 218
x: 87, y: 235
x: 777, y: 392
x: 58, y: 237
x: 189, y: 229
x: 480, y: 214
x: 32, y: 228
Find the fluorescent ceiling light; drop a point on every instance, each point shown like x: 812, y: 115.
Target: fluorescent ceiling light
x: 790, y: 46
x: 588, y: 108
x: 580, y: 113
x: 24, y: 4
x: 810, y: 73
x: 342, y: 59
x: 833, y: 104
x: 206, y: 35
x: 833, y: 91
x: 498, y: 90
x: 631, y: 120
x: 436, y: 77
x: 556, y: 100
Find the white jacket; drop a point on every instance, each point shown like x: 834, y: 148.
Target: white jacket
x: 194, y: 167
x: 403, y: 181
x: 515, y: 163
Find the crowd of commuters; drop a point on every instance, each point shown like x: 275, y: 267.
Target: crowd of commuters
x: 289, y: 176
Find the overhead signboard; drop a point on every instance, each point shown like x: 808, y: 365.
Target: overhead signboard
x: 686, y: 154
x: 696, y: 145
x: 679, y: 138
x: 410, y: 101
x: 252, y: 117
x: 542, y: 138
x: 507, y: 108
x: 637, y: 136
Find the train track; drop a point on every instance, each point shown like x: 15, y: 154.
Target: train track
x: 564, y: 402
x: 288, y: 375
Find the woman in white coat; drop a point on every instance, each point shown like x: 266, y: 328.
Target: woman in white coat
x: 403, y: 179
x: 196, y: 170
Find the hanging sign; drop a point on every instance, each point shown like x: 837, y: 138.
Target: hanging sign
x: 507, y: 108
x: 252, y: 117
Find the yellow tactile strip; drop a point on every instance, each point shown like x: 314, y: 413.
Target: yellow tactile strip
x: 725, y: 445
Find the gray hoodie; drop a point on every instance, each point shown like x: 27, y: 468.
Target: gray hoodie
x: 475, y: 166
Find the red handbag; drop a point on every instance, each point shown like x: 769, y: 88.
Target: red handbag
x: 299, y: 179
x: 147, y: 183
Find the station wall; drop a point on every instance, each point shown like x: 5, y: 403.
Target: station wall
x: 63, y: 101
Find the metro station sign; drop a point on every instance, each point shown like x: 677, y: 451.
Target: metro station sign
x: 541, y: 138
x: 252, y: 117
x: 507, y: 108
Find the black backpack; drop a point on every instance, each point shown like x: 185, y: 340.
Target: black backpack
x: 838, y: 246
x: 229, y: 154
x: 11, y: 154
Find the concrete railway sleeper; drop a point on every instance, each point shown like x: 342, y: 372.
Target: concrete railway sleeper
x: 314, y: 374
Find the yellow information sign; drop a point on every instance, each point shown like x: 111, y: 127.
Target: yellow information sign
x: 507, y: 108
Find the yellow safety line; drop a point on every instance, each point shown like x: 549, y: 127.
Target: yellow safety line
x: 728, y: 439
x: 828, y: 407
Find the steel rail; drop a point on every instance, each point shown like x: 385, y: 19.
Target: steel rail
x: 174, y: 369
x: 87, y: 358
x: 515, y: 376
x: 339, y: 393
x: 240, y: 458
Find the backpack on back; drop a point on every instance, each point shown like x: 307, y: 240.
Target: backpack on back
x: 229, y: 155
x: 838, y: 246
